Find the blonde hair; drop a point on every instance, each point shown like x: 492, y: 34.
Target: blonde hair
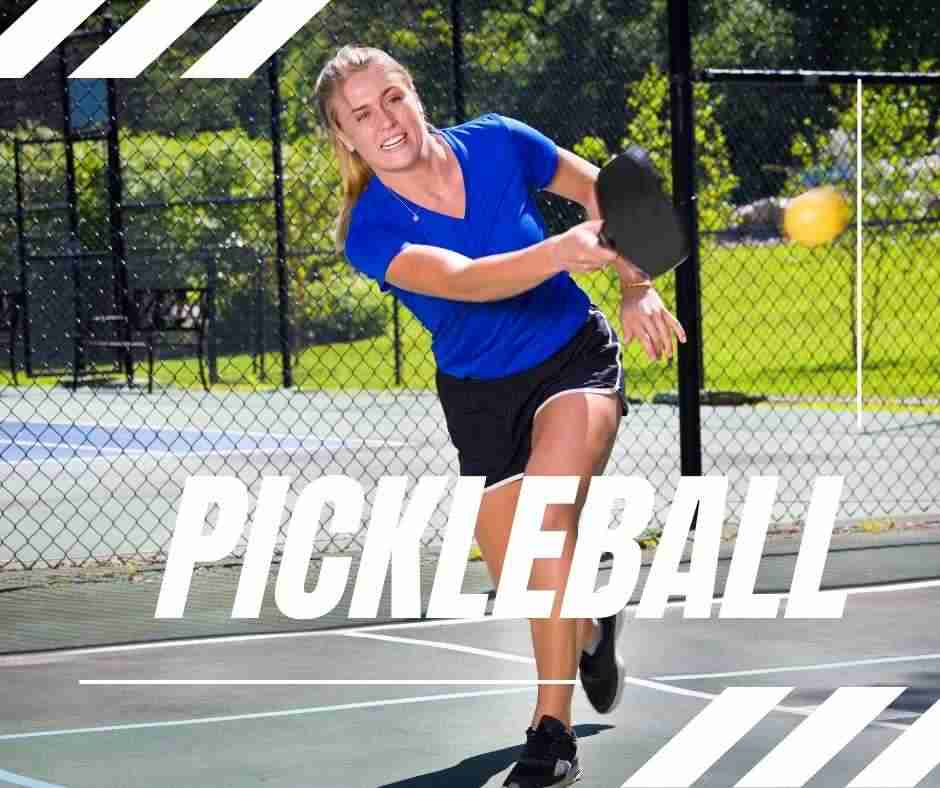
x: 354, y: 171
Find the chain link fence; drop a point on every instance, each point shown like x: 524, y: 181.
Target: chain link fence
x: 165, y: 246
x: 835, y: 329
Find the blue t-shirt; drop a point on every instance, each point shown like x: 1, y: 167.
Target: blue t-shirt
x: 504, y: 163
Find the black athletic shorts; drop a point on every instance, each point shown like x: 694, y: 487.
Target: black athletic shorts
x: 490, y: 421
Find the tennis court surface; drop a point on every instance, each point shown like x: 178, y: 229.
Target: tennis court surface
x: 337, y: 702
x: 341, y: 703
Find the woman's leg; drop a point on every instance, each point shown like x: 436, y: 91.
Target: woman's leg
x: 572, y: 435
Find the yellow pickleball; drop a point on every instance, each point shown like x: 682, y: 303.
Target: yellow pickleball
x: 816, y: 217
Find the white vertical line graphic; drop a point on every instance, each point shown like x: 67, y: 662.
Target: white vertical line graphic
x: 858, y: 255
x: 718, y: 727
x: 908, y: 759
x: 142, y: 39
x: 38, y: 31
x: 253, y: 40
x: 819, y: 738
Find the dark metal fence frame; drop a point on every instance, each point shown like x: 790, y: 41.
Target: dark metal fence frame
x: 117, y: 207
x: 688, y: 286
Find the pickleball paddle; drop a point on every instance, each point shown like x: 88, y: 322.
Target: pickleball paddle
x: 640, y: 222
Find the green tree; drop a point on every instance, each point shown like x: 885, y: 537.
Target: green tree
x: 898, y: 136
x: 843, y: 34
x: 648, y: 105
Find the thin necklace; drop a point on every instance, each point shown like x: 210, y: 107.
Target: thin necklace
x: 414, y: 216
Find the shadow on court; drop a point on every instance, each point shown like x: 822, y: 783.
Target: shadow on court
x: 478, y: 770
x: 923, y: 690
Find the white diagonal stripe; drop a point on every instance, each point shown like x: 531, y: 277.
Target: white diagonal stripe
x: 813, y: 743
x: 253, y: 40
x: 142, y: 39
x: 718, y: 727
x: 26, y: 782
x: 908, y: 759
x: 38, y: 31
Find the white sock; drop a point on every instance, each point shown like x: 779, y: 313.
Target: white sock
x: 591, y: 646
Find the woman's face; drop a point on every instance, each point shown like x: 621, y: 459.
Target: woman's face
x: 379, y: 116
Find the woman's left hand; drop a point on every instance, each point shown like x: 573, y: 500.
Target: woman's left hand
x: 646, y: 319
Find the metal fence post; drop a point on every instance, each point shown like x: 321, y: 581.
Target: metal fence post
x: 283, y: 296
x: 116, y: 216
x: 70, y: 181
x: 73, y: 245
x: 116, y: 209
x: 212, y: 277
x: 688, y: 289
x: 258, y: 366
x: 396, y: 323
x: 456, y: 29
x: 21, y: 253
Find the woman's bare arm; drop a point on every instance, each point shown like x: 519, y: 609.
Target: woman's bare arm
x: 431, y: 270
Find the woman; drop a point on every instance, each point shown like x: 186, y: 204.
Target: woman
x: 528, y: 370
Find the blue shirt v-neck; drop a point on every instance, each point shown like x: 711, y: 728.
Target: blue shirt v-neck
x: 504, y: 163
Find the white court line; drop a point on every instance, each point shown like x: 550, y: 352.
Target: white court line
x: 645, y: 683
x: 802, y: 711
x: 55, y: 654
x: 52, y: 446
x: 261, y: 715
x: 325, y: 682
x: 61, y: 655
x: 197, y: 430
x: 72, y: 450
x: 854, y: 663
x: 330, y: 443
x: 46, y: 444
x: 436, y: 644
x: 324, y: 445
x: 26, y: 782
x: 444, y: 646
x: 327, y: 443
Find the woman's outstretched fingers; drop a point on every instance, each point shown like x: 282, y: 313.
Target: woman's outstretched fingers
x: 645, y: 318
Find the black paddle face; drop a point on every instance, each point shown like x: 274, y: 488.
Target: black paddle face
x: 639, y: 220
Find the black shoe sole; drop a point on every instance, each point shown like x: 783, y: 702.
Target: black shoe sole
x: 570, y: 779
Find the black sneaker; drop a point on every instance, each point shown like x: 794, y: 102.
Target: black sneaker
x: 602, y: 672
x: 550, y: 758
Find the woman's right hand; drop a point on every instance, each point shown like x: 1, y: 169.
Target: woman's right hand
x: 579, y: 250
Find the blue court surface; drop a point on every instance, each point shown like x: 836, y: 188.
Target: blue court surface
x: 38, y: 441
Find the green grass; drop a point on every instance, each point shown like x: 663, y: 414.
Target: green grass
x: 777, y: 321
